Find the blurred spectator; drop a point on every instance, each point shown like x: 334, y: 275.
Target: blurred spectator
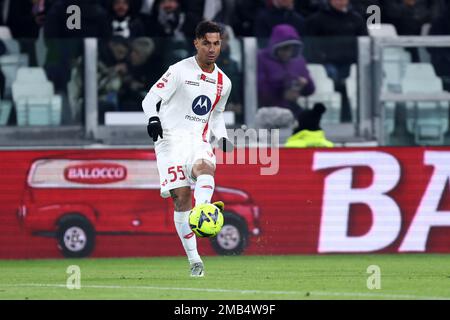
x: 61, y: 54
x: 143, y: 69
x: 281, y: 12
x: 309, y: 133
x: 167, y: 20
x: 337, y: 19
x: 38, y: 11
x: 243, y: 20
x: 23, y: 17
x: 94, y: 20
x: 231, y: 69
x: 138, y: 7
x: 194, y: 10
x: 440, y: 57
x: 114, y: 52
x: 123, y: 21
x: 409, y: 16
x: 282, y: 72
x: 112, y: 68
x: 308, y: 7
x: 341, y: 26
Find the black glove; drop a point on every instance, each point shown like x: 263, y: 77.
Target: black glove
x: 225, y: 145
x: 154, y: 128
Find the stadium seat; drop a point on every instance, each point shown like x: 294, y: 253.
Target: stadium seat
x: 383, y: 30
x: 324, y: 93
x: 5, y: 33
x: 428, y: 121
x: 10, y: 64
x: 5, y: 111
x: 389, y: 120
x: 31, y: 75
x: 351, y: 84
x: 394, y: 65
x: 395, y: 61
x: 12, y: 46
x: 36, y: 103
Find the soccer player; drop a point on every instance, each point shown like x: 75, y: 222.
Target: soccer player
x: 183, y: 107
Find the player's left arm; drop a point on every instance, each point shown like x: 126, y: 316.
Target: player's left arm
x: 218, y: 123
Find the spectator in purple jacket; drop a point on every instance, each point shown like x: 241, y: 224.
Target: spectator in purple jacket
x: 282, y: 73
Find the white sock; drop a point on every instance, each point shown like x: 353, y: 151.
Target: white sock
x: 204, y: 189
x: 186, y: 235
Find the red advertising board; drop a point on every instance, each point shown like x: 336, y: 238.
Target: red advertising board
x: 310, y: 201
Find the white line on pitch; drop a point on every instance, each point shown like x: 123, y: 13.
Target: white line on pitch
x: 217, y: 290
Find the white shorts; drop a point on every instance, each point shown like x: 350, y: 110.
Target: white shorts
x: 175, y: 160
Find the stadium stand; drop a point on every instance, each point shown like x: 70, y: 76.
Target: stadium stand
x: 428, y: 121
x: 394, y: 65
x: 61, y: 73
x: 5, y: 33
x: 325, y: 93
x: 34, y: 99
x: 383, y: 30
x: 9, y: 64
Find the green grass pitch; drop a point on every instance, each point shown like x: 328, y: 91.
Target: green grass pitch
x: 405, y: 276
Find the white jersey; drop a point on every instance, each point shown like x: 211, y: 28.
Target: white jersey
x: 192, y: 105
x: 191, y: 100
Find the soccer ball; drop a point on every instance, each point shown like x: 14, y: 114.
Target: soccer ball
x: 206, y: 220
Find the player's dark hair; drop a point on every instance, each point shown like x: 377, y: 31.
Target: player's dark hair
x: 205, y: 27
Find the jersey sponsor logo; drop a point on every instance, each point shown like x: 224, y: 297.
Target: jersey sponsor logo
x: 205, y: 78
x: 194, y: 118
x: 192, y: 83
x: 201, y: 105
x: 160, y: 85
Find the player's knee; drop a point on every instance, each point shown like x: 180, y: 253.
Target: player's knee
x: 203, y: 167
x: 181, y: 201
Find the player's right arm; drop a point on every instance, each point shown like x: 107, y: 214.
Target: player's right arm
x: 162, y: 90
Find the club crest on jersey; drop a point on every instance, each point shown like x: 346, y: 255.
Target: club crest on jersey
x: 201, y: 105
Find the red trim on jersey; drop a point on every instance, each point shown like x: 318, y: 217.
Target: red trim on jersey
x: 219, y: 92
x: 196, y: 61
x: 207, y: 187
x: 207, y: 70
